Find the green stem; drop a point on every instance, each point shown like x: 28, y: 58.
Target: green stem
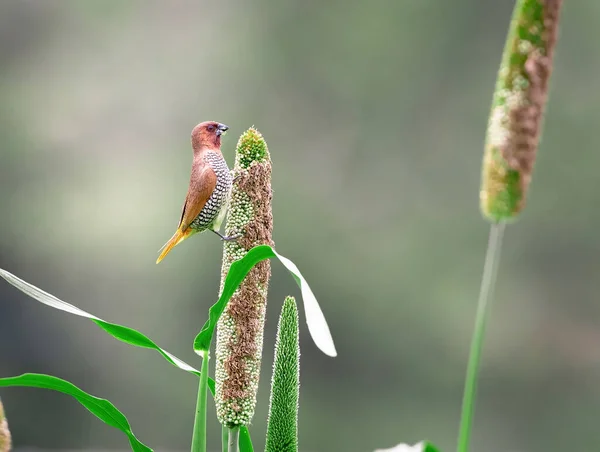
x: 490, y: 270
x: 234, y: 439
x: 199, y: 436
x: 224, y: 439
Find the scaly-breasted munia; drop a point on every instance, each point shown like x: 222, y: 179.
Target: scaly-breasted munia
x: 210, y: 187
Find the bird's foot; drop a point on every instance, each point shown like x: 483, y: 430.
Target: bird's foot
x: 225, y: 238
x: 232, y: 237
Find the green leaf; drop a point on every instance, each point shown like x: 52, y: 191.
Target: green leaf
x: 199, y: 435
x: 101, y: 408
x: 119, y: 332
x: 428, y: 447
x: 237, y: 273
x: 282, y: 425
x: 317, y: 325
x: 245, y: 443
x: 122, y: 333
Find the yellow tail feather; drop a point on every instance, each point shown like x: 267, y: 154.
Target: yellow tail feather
x: 177, y: 238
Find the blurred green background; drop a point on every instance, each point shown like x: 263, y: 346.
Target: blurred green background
x: 375, y: 115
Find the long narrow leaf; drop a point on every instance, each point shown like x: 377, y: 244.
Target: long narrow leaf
x: 317, y: 325
x: 237, y: 273
x: 101, y: 408
x: 119, y: 332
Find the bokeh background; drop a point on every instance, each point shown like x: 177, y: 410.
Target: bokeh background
x: 375, y: 115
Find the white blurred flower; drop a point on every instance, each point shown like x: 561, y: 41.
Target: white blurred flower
x: 419, y: 447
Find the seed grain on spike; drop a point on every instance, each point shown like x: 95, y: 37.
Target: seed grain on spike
x: 518, y: 107
x: 240, y: 327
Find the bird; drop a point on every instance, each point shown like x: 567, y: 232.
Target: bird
x: 209, y: 190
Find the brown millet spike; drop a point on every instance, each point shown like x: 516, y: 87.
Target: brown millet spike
x: 518, y: 108
x: 240, y: 329
x: 246, y: 314
x: 5, y: 439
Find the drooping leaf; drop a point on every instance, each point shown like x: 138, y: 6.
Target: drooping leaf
x: 317, y: 325
x: 101, y: 408
x: 119, y: 332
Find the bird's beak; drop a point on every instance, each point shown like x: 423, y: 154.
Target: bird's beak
x: 221, y: 129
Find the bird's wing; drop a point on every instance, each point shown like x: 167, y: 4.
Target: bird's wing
x: 202, y: 183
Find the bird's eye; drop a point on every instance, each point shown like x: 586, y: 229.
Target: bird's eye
x: 211, y: 128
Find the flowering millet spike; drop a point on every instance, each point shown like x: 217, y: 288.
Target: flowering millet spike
x: 240, y: 328
x: 282, y: 425
x: 518, y: 108
x: 5, y: 441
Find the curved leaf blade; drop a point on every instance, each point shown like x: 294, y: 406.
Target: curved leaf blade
x: 43, y: 296
x: 119, y: 332
x: 137, y: 339
x: 237, y: 272
x: 101, y: 408
x: 317, y: 325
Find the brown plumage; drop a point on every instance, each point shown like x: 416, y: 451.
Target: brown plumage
x: 210, y: 185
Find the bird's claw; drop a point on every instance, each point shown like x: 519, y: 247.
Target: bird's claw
x: 232, y: 237
x: 236, y: 178
x: 225, y: 238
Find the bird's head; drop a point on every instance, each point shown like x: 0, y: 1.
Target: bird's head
x: 208, y: 135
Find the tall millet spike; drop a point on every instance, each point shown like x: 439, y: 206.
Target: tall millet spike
x: 282, y: 425
x: 240, y: 328
x: 518, y: 108
x: 5, y: 440
x: 210, y: 185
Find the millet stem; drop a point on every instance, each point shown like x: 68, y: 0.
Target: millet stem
x: 234, y: 439
x: 490, y: 271
x: 199, y: 436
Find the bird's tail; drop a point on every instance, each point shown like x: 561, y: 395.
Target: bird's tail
x: 177, y: 238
